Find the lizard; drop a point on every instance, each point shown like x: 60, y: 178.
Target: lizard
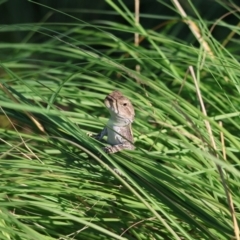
x: 119, y: 126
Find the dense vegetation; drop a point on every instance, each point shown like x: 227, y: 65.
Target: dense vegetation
x: 183, y: 179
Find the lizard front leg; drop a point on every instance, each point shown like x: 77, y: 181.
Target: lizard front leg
x: 101, y: 134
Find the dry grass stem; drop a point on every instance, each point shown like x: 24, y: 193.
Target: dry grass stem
x: 194, y: 28
x: 229, y: 196
x: 203, y: 107
x: 36, y: 122
x: 230, y: 203
x: 136, y: 35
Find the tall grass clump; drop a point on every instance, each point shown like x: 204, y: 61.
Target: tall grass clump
x: 183, y: 179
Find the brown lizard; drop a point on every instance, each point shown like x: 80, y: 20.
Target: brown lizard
x: 119, y: 126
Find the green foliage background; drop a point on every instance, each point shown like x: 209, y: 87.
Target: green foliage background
x: 58, y: 183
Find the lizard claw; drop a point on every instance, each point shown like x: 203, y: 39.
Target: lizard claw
x: 108, y: 150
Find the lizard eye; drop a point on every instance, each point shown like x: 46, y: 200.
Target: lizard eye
x: 124, y: 104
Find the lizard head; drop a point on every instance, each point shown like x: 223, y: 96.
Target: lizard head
x: 119, y: 106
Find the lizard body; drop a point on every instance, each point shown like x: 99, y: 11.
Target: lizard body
x: 119, y: 126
